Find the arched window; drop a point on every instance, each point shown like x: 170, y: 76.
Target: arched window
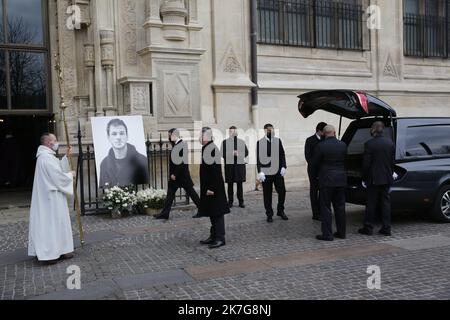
x: 23, y: 56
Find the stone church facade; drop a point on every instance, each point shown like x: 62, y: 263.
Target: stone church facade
x: 177, y: 62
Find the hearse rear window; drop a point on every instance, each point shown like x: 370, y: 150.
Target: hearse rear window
x: 428, y: 141
x: 361, y: 136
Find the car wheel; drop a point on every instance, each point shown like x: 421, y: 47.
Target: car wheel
x: 441, y: 210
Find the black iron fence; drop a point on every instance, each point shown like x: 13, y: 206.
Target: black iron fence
x: 313, y: 23
x: 426, y: 36
x: 91, y: 195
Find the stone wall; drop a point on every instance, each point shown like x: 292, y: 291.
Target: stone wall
x: 191, y: 60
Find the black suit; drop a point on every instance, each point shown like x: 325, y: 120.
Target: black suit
x: 328, y: 164
x: 271, y: 166
x: 310, y: 145
x: 378, y: 169
x: 179, y: 167
x: 235, y: 171
x: 215, y: 206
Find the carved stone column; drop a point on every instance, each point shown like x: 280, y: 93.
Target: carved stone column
x: 174, y: 15
x: 89, y: 62
x: 153, y: 23
x: 107, y: 58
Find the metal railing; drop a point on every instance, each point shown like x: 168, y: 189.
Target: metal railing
x: 426, y: 36
x: 312, y: 23
x: 91, y: 196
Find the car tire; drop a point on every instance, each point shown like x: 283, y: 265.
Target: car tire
x: 441, y: 207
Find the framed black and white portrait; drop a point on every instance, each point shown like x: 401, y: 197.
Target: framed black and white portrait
x: 120, y: 151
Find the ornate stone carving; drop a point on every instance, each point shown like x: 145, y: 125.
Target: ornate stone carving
x: 130, y: 24
x: 231, y: 62
x: 89, y: 56
x: 107, y: 47
x: 136, y: 96
x: 177, y: 101
x: 140, y: 97
x: 390, y: 69
x: 67, y: 59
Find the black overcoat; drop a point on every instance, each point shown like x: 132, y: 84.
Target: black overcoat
x: 179, y: 165
x: 211, y: 179
x: 235, y: 167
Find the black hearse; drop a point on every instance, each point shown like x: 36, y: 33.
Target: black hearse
x: 422, y: 149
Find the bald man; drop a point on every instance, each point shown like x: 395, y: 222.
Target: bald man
x: 328, y: 165
x: 50, y: 231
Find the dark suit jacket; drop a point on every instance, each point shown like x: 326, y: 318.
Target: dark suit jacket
x: 265, y: 158
x: 179, y: 164
x: 211, y: 179
x: 328, y: 163
x: 378, y: 163
x: 310, y: 145
x: 235, y: 170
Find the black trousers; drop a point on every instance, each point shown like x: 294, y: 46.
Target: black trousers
x: 335, y: 196
x: 171, y: 192
x: 240, y: 192
x: 280, y: 187
x: 314, y: 195
x: 378, y: 197
x: 218, y: 228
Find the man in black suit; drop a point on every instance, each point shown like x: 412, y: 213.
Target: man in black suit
x: 271, y: 165
x: 234, y: 151
x: 213, y: 200
x: 328, y: 164
x: 378, y: 177
x: 310, y: 145
x: 180, y: 176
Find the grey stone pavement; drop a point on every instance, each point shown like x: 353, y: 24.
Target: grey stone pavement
x: 139, y: 258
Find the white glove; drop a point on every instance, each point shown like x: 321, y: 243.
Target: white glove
x: 261, y: 177
x: 364, y: 184
x: 395, y: 176
x: 283, y: 172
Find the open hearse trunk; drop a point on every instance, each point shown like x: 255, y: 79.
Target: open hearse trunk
x: 364, y: 109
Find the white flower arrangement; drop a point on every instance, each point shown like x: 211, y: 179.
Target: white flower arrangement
x: 151, y: 198
x: 120, y: 198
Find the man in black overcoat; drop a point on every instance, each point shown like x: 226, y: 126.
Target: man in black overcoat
x: 234, y: 151
x: 310, y: 145
x: 378, y: 176
x: 328, y: 165
x: 213, y: 200
x: 179, y: 175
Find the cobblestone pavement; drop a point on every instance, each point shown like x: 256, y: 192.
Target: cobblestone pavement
x: 140, y: 258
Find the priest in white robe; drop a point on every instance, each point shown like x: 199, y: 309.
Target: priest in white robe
x: 50, y: 232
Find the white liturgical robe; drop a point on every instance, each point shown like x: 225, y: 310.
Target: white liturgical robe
x: 50, y: 232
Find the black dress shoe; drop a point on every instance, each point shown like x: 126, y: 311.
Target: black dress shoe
x: 207, y: 241
x: 241, y: 205
x: 230, y: 205
x: 269, y: 219
x: 322, y: 238
x: 340, y: 236
x: 365, y: 231
x: 216, y: 244
x: 283, y: 216
x: 161, y: 217
x: 196, y: 216
x: 317, y: 218
x: 385, y: 233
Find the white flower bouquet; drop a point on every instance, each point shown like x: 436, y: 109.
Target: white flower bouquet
x: 151, y: 198
x: 120, y: 199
